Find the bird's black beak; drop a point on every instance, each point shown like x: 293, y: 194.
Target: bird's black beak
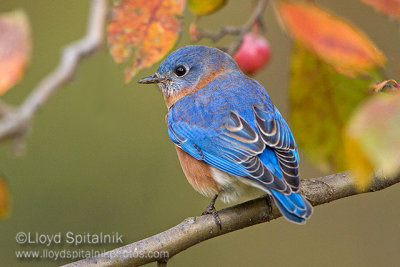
x: 151, y: 79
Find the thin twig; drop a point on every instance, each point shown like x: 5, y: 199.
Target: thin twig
x: 255, y: 16
x: 240, y: 31
x: 194, y: 230
x: 216, y: 36
x: 15, y: 123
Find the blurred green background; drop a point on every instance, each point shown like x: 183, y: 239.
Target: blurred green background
x: 99, y: 158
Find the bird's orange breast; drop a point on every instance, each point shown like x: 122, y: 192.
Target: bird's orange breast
x: 198, y: 173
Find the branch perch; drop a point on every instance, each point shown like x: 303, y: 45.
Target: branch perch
x: 198, y: 229
x: 15, y: 122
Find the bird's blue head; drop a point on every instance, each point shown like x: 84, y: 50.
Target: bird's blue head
x: 189, y: 69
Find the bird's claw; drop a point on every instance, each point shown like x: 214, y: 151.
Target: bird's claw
x: 268, y: 201
x: 214, y: 212
x: 211, y: 210
x: 217, y: 220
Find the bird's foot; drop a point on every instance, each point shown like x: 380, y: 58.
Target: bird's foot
x: 268, y: 200
x: 211, y: 210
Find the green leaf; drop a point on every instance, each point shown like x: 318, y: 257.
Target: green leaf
x: 321, y: 102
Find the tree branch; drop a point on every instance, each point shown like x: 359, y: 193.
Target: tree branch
x: 15, y: 122
x: 255, y: 16
x: 198, y: 229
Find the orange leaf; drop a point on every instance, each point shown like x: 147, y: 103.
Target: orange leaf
x: 4, y: 199
x: 15, y: 46
x: 390, y: 7
x: 331, y: 38
x: 150, y: 28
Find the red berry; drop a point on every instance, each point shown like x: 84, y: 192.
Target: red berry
x: 253, y: 54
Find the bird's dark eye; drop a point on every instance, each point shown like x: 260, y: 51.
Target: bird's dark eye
x: 180, y: 70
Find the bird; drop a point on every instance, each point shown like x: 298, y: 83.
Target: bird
x: 228, y: 135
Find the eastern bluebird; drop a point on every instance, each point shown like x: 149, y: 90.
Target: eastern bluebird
x: 227, y: 133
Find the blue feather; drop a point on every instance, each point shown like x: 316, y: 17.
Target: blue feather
x: 286, y: 207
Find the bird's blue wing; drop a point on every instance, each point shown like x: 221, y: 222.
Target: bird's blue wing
x: 233, y: 148
x: 276, y: 134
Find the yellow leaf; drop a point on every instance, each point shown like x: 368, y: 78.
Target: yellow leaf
x: 360, y: 166
x: 375, y: 128
x: 148, y: 28
x: 331, y: 38
x: 15, y: 48
x: 205, y: 7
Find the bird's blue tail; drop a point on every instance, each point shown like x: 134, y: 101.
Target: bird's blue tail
x: 293, y: 207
